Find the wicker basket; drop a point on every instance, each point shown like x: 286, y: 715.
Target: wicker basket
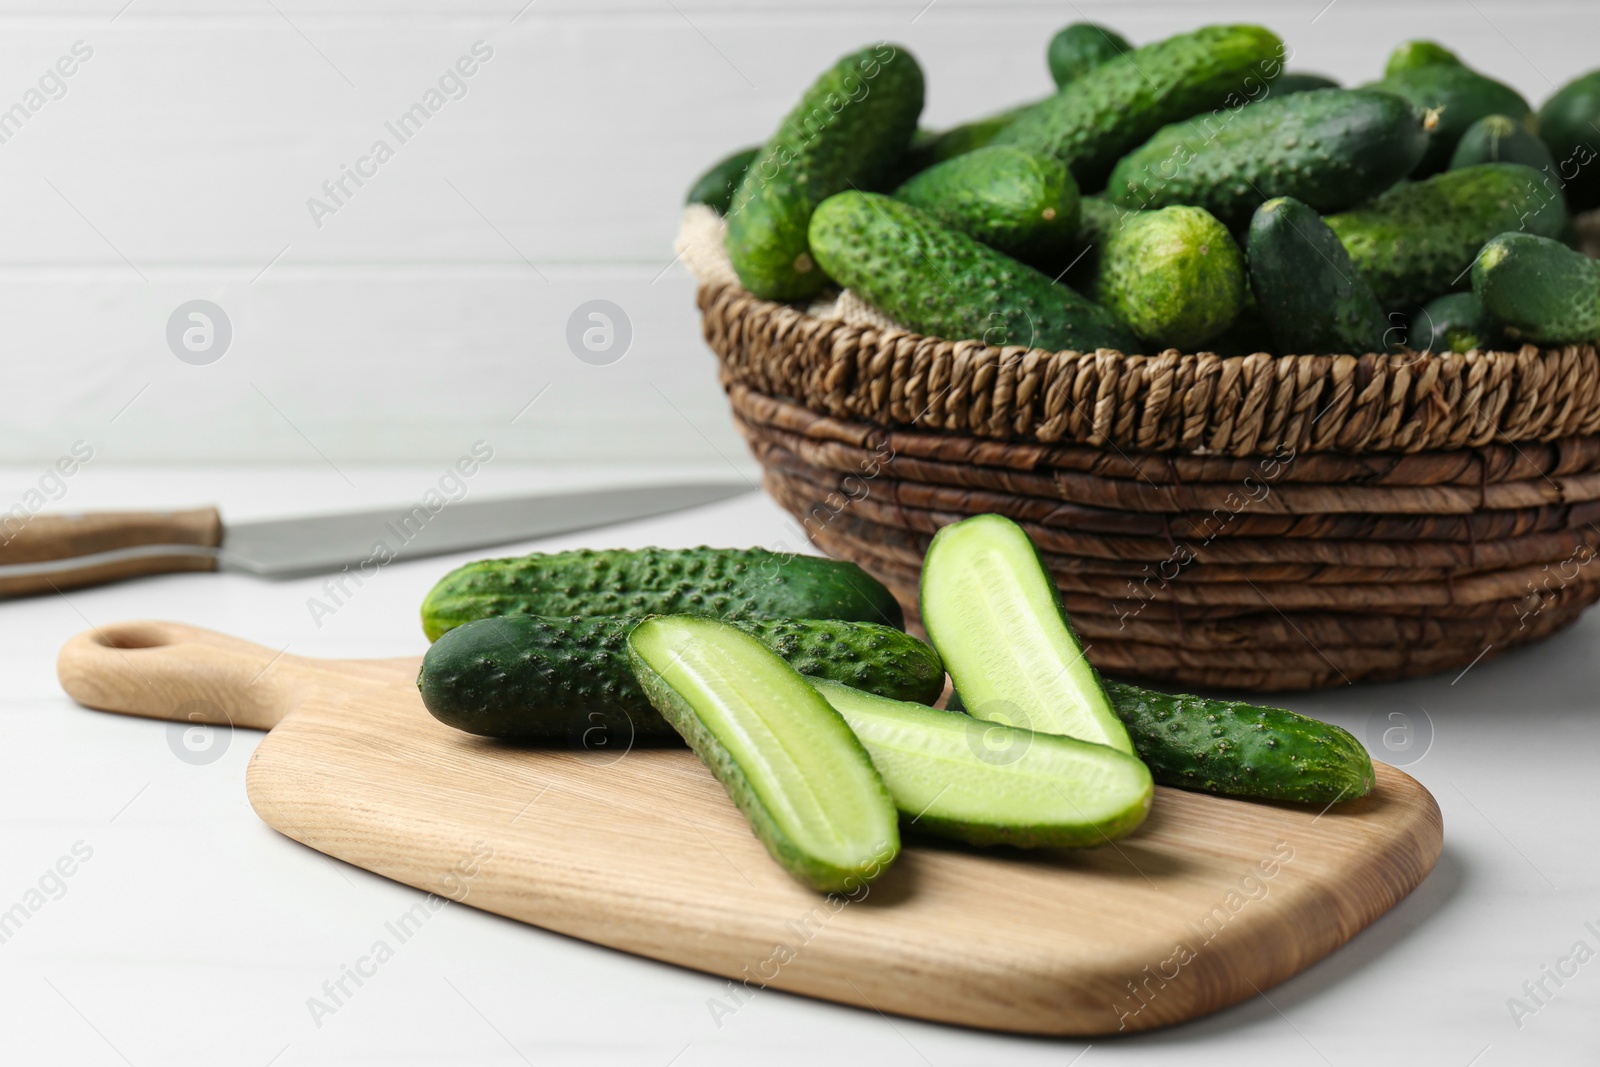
x: 1255, y: 522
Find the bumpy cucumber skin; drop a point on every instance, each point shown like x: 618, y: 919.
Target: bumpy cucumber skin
x: 1013, y: 201
x: 1417, y: 240
x: 1461, y: 96
x: 1332, y: 149
x: 848, y: 131
x: 1539, y: 289
x: 1498, y: 139
x: 1457, y: 322
x: 1175, y: 276
x: 1291, y: 81
x: 722, y: 582
x: 929, y: 148
x: 1308, y: 293
x: 940, y: 282
x: 1117, y: 106
x: 820, y: 875
x: 531, y: 678
x: 1565, y: 125
x: 716, y: 186
x: 1412, y: 54
x: 1081, y: 47
x: 1235, y: 749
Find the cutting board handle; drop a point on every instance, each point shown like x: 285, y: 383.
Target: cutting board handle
x: 166, y: 670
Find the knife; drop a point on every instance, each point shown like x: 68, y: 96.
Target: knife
x: 48, y: 552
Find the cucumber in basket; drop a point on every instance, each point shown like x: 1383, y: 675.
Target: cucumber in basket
x: 1567, y: 127
x: 785, y: 756
x: 1458, y: 96
x: 724, y: 582
x: 987, y: 783
x: 1013, y: 201
x: 1539, y: 289
x: 530, y: 678
x: 715, y: 188
x: 1079, y: 48
x: 1311, y: 298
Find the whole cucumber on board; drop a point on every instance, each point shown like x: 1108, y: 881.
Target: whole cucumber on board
x: 995, y: 617
x: 940, y: 282
x: 1457, y: 322
x: 1308, y: 293
x: 987, y: 784
x: 1175, y: 277
x: 1116, y: 106
x: 1013, y: 201
x: 1539, y: 289
x: 1332, y: 149
x: 787, y: 759
x: 531, y: 678
x: 1419, y: 239
x: 1411, y: 54
x: 725, y: 582
x: 716, y: 186
x: 1498, y: 139
x: 1567, y: 125
x: 1079, y: 48
x: 848, y: 131
x: 1458, y: 96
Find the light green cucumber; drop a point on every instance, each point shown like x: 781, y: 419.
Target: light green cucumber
x: 1538, y: 289
x: 1013, y: 201
x: 1411, y: 54
x: 786, y: 758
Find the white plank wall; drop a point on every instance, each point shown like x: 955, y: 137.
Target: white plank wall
x: 433, y: 305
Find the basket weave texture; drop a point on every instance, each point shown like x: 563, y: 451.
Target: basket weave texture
x: 1257, y: 522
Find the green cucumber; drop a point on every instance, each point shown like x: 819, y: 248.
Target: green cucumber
x: 1291, y: 81
x: 1456, y: 322
x: 786, y: 758
x: 1458, y: 96
x: 930, y: 147
x: 995, y: 616
x: 1498, y: 139
x: 1175, y: 277
x: 1079, y: 48
x: 848, y: 130
x: 1235, y: 749
x: 1411, y: 54
x: 1115, y: 107
x: 987, y: 783
x: 940, y: 282
x: 1013, y: 201
x: 716, y: 186
x: 1332, y: 149
x: 1539, y: 289
x: 1309, y: 295
x: 1419, y: 239
x: 1569, y: 125
x: 724, y: 582
x: 531, y: 678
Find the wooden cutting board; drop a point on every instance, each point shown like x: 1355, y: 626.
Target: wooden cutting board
x: 1209, y: 902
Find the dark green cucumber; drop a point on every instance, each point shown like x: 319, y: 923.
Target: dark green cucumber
x: 1117, y: 106
x: 848, y: 131
x: 995, y: 616
x: 1291, y: 81
x: 989, y: 784
x: 1456, y: 322
x: 1411, y: 54
x: 1568, y: 124
x: 1013, y: 201
x: 1310, y: 296
x: 786, y: 758
x: 1539, y: 289
x: 1236, y: 749
x: 1459, y: 96
x: 1419, y: 239
x: 1175, y: 277
x: 716, y: 186
x: 1079, y: 48
x: 725, y: 582
x: 930, y: 147
x: 940, y: 282
x: 1498, y: 139
x: 531, y: 678
x: 1332, y: 149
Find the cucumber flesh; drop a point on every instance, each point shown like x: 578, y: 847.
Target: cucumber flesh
x: 986, y: 783
x: 786, y: 758
x: 994, y: 615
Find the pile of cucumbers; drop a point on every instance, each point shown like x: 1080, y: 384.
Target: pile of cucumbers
x: 793, y: 681
x: 1189, y: 193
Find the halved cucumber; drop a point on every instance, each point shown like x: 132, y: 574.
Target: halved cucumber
x: 995, y: 616
x: 786, y: 758
x: 987, y: 783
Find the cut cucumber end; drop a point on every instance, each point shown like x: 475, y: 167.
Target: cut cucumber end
x: 785, y: 756
x: 994, y: 615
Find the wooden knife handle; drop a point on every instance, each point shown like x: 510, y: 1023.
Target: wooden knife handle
x: 53, y: 552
